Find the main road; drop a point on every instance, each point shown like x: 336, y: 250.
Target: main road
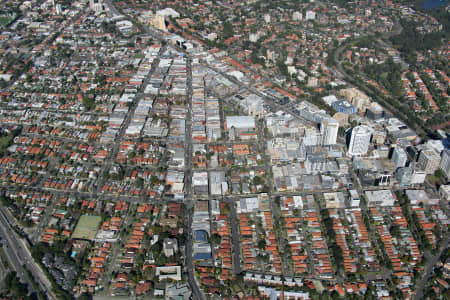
x: 20, y: 256
x: 189, y: 263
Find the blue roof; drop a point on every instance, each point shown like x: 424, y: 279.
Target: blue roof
x: 200, y: 236
x: 199, y: 256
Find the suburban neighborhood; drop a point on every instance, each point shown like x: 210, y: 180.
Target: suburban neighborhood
x: 224, y: 149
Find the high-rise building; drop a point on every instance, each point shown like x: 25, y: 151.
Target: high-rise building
x: 359, y: 140
x: 428, y: 161
x: 418, y: 177
x: 253, y: 37
x: 444, y: 191
x: 97, y: 5
x: 399, y: 157
x: 297, y: 16
x: 404, y: 175
x: 58, y: 9
x: 329, y: 129
x: 445, y: 163
x: 310, y: 15
x: 357, y: 98
x: 159, y: 22
x: 312, y: 137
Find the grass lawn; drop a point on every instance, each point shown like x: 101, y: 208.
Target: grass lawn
x: 4, y: 20
x: 87, y: 227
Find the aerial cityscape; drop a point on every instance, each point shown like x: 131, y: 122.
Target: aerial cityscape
x: 168, y: 149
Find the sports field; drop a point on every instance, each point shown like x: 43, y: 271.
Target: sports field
x: 87, y: 227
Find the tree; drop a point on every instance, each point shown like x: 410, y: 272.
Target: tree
x: 262, y: 244
x: 85, y: 296
x: 154, y: 180
x: 227, y: 30
x: 14, y: 287
x: 257, y: 180
x: 139, y: 182
x: 88, y: 103
x: 6, y: 201
x: 5, y: 141
x: 282, y: 68
x: 216, y: 238
x: 410, y: 40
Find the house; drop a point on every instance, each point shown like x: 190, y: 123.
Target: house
x: 170, y: 247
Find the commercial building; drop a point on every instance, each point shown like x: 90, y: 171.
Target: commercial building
x: 217, y: 183
x: 240, y: 122
x: 356, y: 97
x: 353, y: 198
x: 253, y: 105
x: 399, y: 130
x: 444, y: 192
x: 420, y: 196
x: 428, y: 161
x: 247, y: 205
x: 200, y: 182
x: 375, y: 111
x: 329, y: 129
x: 159, y: 22
x: 343, y: 106
x: 310, y: 15
x: 242, y: 127
x: 171, y: 272
x: 380, y: 198
x: 334, y: 200
x: 445, y: 163
x: 404, y: 176
x: 168, y: 12
x: 399, y: 157
x: 297, y: 16
x: 96, y: 5
x: 359, y: 140
x: 418, y: 177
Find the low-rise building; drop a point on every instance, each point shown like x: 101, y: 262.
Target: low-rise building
x: 334, y: 200
x: 379, y: 198
x: 171, y: 272
x: 170, y: 247
x: 420, y: 196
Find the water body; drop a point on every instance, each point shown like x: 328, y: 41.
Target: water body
x: 431, y: 4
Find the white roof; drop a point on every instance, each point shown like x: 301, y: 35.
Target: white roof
x: 437, y: 145
x: 237, y: 74
x: 381, y: 197
x: 249, y: 204
x: 330, y: 99
x: 240, y: 122
x: 168, y: 12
